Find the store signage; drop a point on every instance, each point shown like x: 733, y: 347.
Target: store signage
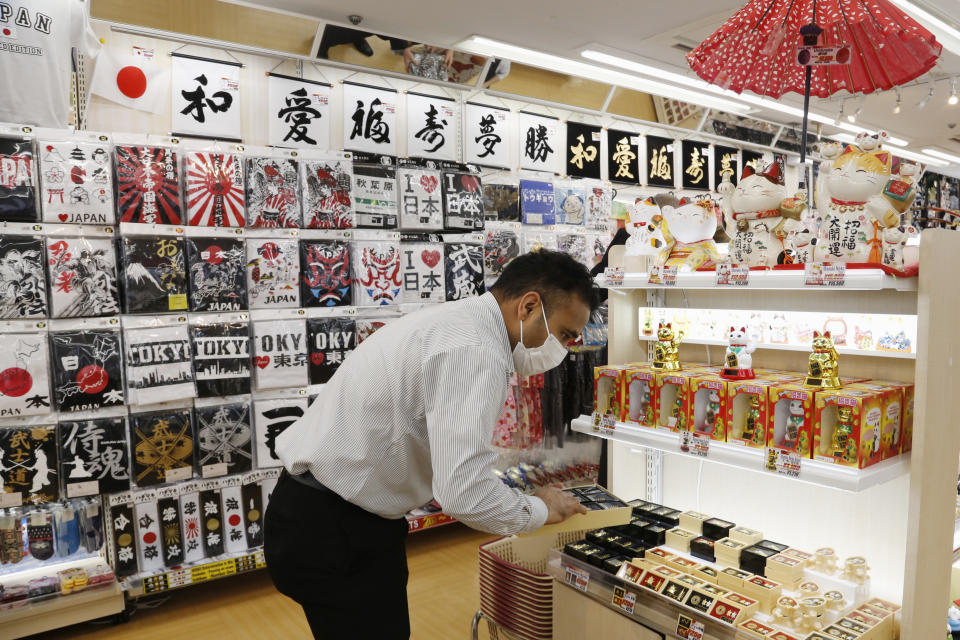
x: 624, y: 600
x: 662, y: 275
x: 689, y: 628
x: 583, y: 150
x: 541, y: 142
x: 816, y: 56
x: 369, y: 119
x: 825, y: 274
x: 205, y: 98
x: 12, y: 499
x: 695, y: 160
x: 298, y: 112
x: 694, y: 445
x: 732, y: 275
x: 782, y: 461
x: 577, y: 578
x: 486, y: 135
x: 726, y: 162
x: 660, y: 162
x: 623, y: 156
x: 431, y: 126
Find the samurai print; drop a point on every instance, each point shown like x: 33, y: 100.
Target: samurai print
x: 327, y: 200
x: 423, y: 272
x: 161, y: 441
x: 464, y: 266
x: 214, y: 190
x: 95, y: 449
x: 83, y: 277
x: 18, y: 202
x: 273, y: 273
x: 377, y: 280
x: 28, y: 463
x: 224, y: 436
x: 462, y: 202
x: 330, y: 341
x: 76, y: 183
x: 87, y: 369
x: 159, y: 365
x: 270, y: 419
x: 500, y: 247
x: 148, y: 185
x: 420, y: 199
x: 155, y: 273
x: 325, y: 273
x: 272, y: 193
x: 221, y: 359
x: 23, y: 283
x: 124, y: 556
x: 280, y: 353
x: 218, y: 277
x: 24, y: 374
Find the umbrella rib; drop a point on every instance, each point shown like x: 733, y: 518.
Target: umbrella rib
x: 763, y: 17
x: 866, y: 7
x: 860, y: 49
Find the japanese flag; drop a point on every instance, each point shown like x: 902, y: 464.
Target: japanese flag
x: 131, y: 81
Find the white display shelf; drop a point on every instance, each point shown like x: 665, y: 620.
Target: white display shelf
x: 844, y: 351
x: 48, y: 568
x: 752, y: 459
x: 855, y: 279
x: 36, y: 617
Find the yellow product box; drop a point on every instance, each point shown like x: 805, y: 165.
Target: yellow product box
x: 608, y: 391
x: 897, y: 415
x: 847, y: 427
x: 790, y: 420
x: 708, y: 393
x: 748, y: 408
x: 638, y: 382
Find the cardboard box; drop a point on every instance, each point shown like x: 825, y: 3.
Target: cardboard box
x: 748, y: 411
x: 790, y: 424
x: 671, y: 400
x: 708, y: 393
x: 608, y: 395
x: 860, y: 448
x: 593, y: 519
x: 897, y: 400
x: 639, y: 406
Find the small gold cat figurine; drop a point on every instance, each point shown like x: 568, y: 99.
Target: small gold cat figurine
x: 824, y: 369
x: 666, y: 352
x: 752, y: 429
x: 841, y: 433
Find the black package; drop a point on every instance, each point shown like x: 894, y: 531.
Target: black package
x: 776, y: 546
x: 28, y: 463
x: 218, y: 276
x: 599, y: 537
x: 221, y: 359
x: 628, y: 548
x: 325, y: 273
x: 462, y: 202
x: 654, y: 535
x: 87, y: 369
x: 599, y: 558
x: 703, y: 548
x: 212, y: 522
x: 224, y: 436
x: 635, y: 528
x: 375, y: 196
x: 501, y: 202
x: 330, y: 341
x: 463, y: 264
x: 717, y: 529
x: 23, y: 280
x: 161, y: 441
x: 613, y: 564
x: 18, y: 200
x: 40, y: 535
x: 124, y: 555
x: 252, y: 495
x: 171, y: 536
x: 155, y: 274
x: 95, y: 449
x: 272, y: 193
x: 148, y: 185
x: 754, y: 559
x: 647, y: 510
x: 667, y: 516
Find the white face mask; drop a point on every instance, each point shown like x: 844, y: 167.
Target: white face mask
x: 529, y: 361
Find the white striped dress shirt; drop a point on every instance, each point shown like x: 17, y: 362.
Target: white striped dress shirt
x: 410, y: 416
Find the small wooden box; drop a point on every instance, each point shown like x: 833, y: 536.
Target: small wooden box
x: 679, y: 539
x: 745, y: 535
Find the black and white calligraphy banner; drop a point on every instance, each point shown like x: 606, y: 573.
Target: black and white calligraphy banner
x: 205, y: 98
x: 233, y: 526
x: 464, y: 267
x: 270, y: 419
x: 221, y: 358
x: 148, y: 530
x: 124, y: 550
x: 369, y: 118
x: 431, y: 126
x: 95, y: 450
x: 540, y: 142
x: 487, y: 135
x: 159, y: 365
x: 298, y: 112
x: 211, y: 520
x: 190, y: 514
x: 280, y: 353
x: 171, y: 532
x: 77, y: 182
x: 24, y: 374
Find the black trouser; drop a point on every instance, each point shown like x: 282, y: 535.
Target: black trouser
x: 345, y: 566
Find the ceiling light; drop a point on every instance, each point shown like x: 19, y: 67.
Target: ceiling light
x: 895, y: 141
x: 696, y: 83
x: 896, y: 108
x: 953, y: 99
x: 946, y: 34
x: 923, y: 102
x: 853, y: 116
x: 942, y: 155
x: 920, y: 157
x: 492, y: 48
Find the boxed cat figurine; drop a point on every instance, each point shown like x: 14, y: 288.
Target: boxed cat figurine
x: 638, y: 386
x: 847, y: 427
x: 897, y: 398
x: 791, y: 418
x: 708, y: 394
x: 671, y: 400
x: 608, y: 393
x: 748, y: 408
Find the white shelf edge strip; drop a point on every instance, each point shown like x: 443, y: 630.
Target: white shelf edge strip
x: 856, y: 279
x: 908, y: 355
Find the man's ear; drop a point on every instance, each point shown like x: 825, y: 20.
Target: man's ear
x: 529, y: 303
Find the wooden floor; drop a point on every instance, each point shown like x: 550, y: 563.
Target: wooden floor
x: 442, y: 592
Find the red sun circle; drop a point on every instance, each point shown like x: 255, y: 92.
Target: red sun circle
x: 7, y: 31
x: 234, y: 520
x: 132, y: 82
x: 14, y: 382
x: 214, y: 254
x: 149, y: 537
x: 92, y: 379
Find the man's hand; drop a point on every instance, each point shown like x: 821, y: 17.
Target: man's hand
x: 560, y: 504
x: 408, y: 58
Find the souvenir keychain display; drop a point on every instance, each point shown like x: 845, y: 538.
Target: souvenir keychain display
x: 155, y: 273
x: 501, y: 245
x: 272, y: 190
x: 213, y: 192
x: 221, y: 358
x: 83, y: 273
x: 377, y: 273
x: 423, y: 272
x: 24, y: 373
x: 224, y: 436
x: 217, y: 272
x: 94, y: 449
x: 159, y: 365
x: 272, y: 417
x: 23, y: 282
x: 77, y: 176
x: 18, y: 198
x: 28, y: 461
x: 330, y: 341
x: 464, y: 266
x: 273, y: 273
x: 280, y: 353
x: 327, y: 182
x: 325, y: 272
x: 162, y: 446
x: 462, y: 201
x: 87, y: 368
x: 148, y: 184
x: 375, y: 195
x: 420, y: 199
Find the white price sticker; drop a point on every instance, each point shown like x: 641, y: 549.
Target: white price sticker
x: 662, y: 275
x: 825, y: 274
x: 604, y: 423
x: 613, y: 276
x: 13, y: 499
x: 813, y: 274
x: 141, y: 52
x: 689, y: 628
x: 783, y: 461
x: 732, y: 275
x: 577, y: 578
x: 83, y: 489
x: 176, y: 475
x: 625, y: 600
x: 694, y: 445
x: 214, y: 470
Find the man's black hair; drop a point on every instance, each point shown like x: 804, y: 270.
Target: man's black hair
x: 552, y: 274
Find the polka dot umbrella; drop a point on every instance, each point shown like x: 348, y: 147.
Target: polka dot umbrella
x: 756, y: 49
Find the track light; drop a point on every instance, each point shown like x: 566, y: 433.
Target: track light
x: 853, y: 116
x: 953, y: 99
x: 896, y: 107
x: 923, y: 102
x: 843, y: 105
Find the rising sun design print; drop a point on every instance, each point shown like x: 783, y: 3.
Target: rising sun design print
x: 214, y: 191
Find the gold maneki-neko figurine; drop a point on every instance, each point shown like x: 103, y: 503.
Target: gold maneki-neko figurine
x: 824, y: 365
x: 666, y: 351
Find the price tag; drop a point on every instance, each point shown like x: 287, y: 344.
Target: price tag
x: 613, y: 276
x: 141, y: 52
x: 813, y: 274
x: 604, y: 423
x: 176, y: 475
x: 689, y: 628
x: 83, y: 489
x: 732, y: 275
x: 214, y: 470
x: 625, y: 600
x: 665, y: 276
x: 14, y: 499
x: 783, y: 461
x: 834, y: 274
x: 694, y: 445
x: 577, y: 578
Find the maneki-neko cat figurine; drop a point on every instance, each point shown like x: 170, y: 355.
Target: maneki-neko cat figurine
x: 666, y: 351
x: 757, y: 209
x: 752, y: 427
x: 738, y: 359
x: 689, y: 229
x: 823, y: 366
